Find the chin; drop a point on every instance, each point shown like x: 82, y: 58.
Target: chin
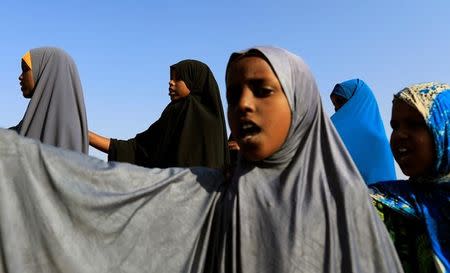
x: 411, y: 172
x: 252, y: 155
x: 27, y: 94
x: 405, y: 170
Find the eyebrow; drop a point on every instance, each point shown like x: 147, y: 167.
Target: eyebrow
x: 258, y: 81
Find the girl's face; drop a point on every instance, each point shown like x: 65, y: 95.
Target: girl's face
x: 177, y: 88
x: 338, y: 101
x: 411, y: 141
x: 26, y: 81
x: 258, y: 110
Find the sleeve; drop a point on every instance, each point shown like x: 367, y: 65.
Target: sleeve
x: 122, y: 150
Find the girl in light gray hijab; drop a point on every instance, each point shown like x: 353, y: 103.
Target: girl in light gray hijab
x: 56, y: 114
x: 296, y: 202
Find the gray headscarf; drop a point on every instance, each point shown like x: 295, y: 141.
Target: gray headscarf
x: 56, y: 114
x: 305, y: 208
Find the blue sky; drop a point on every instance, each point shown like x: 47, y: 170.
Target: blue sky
x: 123, y: 49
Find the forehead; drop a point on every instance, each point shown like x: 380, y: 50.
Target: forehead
x: 173, y: 72
x: 337, y: 97
x: 247, y: 68
x: 401, y: 109
x: 24, y: 65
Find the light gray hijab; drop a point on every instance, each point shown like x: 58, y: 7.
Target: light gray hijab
x: 56, y: 114
x: 305, y: 209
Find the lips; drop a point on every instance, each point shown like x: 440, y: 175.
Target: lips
x: 247, y: 129
x: 402, y: 154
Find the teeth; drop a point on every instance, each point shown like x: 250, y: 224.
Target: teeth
x: 247, y: 126
x: 402, y: 150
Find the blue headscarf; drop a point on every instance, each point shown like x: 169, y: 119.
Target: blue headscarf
x: 360, y: 126
x: 427, y: 198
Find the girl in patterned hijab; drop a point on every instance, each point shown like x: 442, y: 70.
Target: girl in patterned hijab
x: 417, y: 211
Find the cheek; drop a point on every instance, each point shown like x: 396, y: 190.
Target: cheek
x: 428, y: 149
x: 280, y: 121
x: 231, y: 122
x: 284, y: 123
x: 393, y: 138
x: 426, y: 153
x: 29, y: 80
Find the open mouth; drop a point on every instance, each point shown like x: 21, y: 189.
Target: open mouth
x: 248, y: 129
x: 402, y: 154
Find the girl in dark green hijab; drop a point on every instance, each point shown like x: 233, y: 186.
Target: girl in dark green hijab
x: 190, y: 132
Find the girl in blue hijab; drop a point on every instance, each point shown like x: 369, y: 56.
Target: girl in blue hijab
x: 417, y: 211
x: 358, y: 121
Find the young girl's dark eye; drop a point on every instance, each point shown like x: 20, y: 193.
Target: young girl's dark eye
x: 262, y: 92
x: 417, y: 124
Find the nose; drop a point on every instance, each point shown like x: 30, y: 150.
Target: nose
x: 246, y: 101
x: 398, y: 135
x: 20, y: 77
x: 171, y: 83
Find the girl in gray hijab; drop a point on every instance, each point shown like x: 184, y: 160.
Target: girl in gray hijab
x: 296, y: 202
x: 56, y: 114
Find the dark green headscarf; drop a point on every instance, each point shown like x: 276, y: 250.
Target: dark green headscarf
x: 190, y: 132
